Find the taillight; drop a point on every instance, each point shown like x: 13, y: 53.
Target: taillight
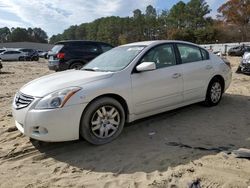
x: 60, y: 55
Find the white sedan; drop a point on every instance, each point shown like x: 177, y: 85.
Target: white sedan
x: 127, y: 83
x: 13, y: 55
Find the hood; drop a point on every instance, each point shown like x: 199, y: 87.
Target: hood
x: 53, y: 82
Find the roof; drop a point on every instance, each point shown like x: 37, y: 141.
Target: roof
x: 154, y: 42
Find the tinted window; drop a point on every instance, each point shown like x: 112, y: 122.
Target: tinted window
x: 8, y: 52
x: 163, y: 56
x: 205, y: 54
x: 189, y: 53
x: 105, y: 47
x: 88, y: 48
x: 15, y: 52
x: 57, y: 48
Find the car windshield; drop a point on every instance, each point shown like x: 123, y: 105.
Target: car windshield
x: 115, y: 59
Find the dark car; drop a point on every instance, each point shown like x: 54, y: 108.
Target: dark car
x: 2, y: 50
x: 238, y: 50
x: 31, y: 54
x: 1, y: 66
x: 73, y: 54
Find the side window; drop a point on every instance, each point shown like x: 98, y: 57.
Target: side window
x: 105, y: 47
x: 189, y: 53
x: 163, y: 56
x: 205, y: 54
x: 89, y: 48
x: 8, y: 52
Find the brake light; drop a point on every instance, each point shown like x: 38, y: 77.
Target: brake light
x: 60, y: 55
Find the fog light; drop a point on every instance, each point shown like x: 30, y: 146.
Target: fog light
x: 39, y: 130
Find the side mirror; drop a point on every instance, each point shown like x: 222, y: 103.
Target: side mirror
x: 146, y: 66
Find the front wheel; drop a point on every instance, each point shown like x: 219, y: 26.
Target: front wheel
x: 102, y: 121
x: 214, y: 92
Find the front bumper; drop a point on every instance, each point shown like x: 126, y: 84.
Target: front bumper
x: 245, y: 68
x: 51, y: 125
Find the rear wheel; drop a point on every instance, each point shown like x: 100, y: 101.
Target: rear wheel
x: 21, y: 59
x: 102, y: 121
x: 214, y: 92
x: 76, y: 66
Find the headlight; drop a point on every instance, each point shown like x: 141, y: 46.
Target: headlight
x: 57, y: 99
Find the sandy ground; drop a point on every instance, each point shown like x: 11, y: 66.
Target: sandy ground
x: 172, y: 149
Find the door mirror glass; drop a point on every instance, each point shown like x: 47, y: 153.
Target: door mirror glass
x: 146, y: 66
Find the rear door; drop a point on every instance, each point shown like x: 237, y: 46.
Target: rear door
x: 197, y: 70
x: 87, y: 51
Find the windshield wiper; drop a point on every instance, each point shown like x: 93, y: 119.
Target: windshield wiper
x: 87, y: 69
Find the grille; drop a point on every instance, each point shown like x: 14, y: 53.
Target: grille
x: 22, y: 101
x: 246, y: 65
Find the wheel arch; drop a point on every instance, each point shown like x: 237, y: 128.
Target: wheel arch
x: 117, y: 97
x: 219, y: 77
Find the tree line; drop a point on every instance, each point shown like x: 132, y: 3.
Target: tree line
x: 184, y: 21
x: 21, y: 34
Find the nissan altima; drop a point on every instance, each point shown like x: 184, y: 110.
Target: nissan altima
x: 127, y: 83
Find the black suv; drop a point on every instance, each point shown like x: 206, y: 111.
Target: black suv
x: 73, y: 54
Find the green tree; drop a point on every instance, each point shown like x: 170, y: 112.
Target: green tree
x: 19, y: 35
x: 4, y: 34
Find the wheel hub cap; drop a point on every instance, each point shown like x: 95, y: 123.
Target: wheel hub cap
x: 216, y: 92
x: 105, y: 122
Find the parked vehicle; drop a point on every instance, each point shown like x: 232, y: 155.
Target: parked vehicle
x: 31, y: 54
x: 12, y: 55
x: 1, y: 65
x: 74, y: 54
x: 42, y: 54
x: 2, y: 50
x: 238, y: 50
x: 127, y: 83
x: 244, y: 66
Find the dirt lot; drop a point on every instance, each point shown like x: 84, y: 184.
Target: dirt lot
x: 172, y: 149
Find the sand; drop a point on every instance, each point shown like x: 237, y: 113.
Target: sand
x: 173, y: 149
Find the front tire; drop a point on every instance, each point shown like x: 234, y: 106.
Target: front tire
x: 214, y: 92
x: 102, y: 121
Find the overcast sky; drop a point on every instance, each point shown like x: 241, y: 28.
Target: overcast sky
x: 56, y: 15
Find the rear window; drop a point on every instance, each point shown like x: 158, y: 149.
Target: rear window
x: 57, y: 48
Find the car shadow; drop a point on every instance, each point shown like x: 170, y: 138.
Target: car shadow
x: 162, y: 141
x: 4, y: 72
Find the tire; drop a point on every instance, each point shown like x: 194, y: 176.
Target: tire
x: 214, y: 92
x: 238, y: 70
x: 97, y: 130
x: 35, y: 58
x: 21, y: 59
x: 76, y: 65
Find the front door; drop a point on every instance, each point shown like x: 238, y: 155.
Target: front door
x: 154, y: 90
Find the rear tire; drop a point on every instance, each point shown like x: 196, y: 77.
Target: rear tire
x: 21, y: 59
x: 76, y: 65
x: 102, y: 121
x: 214, y: 92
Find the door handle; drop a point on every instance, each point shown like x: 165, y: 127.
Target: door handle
x: 208, y: 67
x: 176, y: 75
